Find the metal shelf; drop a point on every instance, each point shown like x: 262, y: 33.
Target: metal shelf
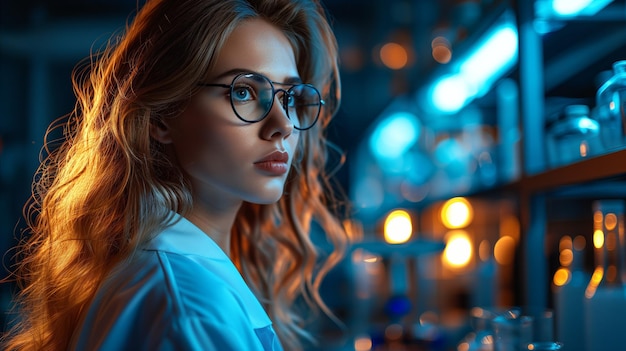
x: 603, y: 167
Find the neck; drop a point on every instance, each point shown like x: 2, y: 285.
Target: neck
x: 215, y: 222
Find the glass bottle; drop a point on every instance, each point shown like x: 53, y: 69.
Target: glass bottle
x: 570, y: 281
x: 605, y: 296
x: 573, y: 137
x: 611, y: 107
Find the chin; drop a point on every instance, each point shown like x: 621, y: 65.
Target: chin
x: 267, y: 198
x: 270, y: 201
x: 268, y: 193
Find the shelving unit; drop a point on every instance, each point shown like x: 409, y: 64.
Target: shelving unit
x: 545, y: 71
x: 601, y: 167
x: 596, y: 177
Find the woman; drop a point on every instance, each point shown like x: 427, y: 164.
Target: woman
x: 176, y: 213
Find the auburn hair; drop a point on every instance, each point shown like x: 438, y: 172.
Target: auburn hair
x: 107, y: 187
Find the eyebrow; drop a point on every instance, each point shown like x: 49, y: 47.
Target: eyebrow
x: 235, y: 71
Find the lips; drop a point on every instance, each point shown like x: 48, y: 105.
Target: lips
x: 274, y: 163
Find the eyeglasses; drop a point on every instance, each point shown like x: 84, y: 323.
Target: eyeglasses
x: 252, y: 98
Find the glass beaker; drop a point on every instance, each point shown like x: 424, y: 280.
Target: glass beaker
x: 512, y: 332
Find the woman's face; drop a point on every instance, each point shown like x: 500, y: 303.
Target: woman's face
x: 229, y: 160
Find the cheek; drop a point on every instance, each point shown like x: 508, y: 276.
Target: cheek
x: 295, y: 141
x: 294, y: 147
x: 197, y: 131
x: 298, y: 143
x: 192, y: 142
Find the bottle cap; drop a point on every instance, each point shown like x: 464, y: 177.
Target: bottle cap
x: 619, y: 66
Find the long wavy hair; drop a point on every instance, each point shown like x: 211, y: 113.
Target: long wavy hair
x: 107, y: 187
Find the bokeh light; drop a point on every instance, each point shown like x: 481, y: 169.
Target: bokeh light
x: 580, y: 243
x: 441, y: 50
x: 457, y: 213
x: 565, y: 243
x: 561, y: 276
x: 394, y: 56
x: 504, y: 250
x: 598, y: 238
x: 566, y: 256
x: 398, y: 227
x: 363, y: 343
x: 458, y: 251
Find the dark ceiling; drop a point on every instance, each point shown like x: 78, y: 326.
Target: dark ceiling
x: 361, y: 26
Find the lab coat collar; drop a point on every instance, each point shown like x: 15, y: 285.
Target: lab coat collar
x: 184, y: 237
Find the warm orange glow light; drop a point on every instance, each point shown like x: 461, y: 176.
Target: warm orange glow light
x: 457, y: 213
x: 598, y: 238
x: 596, y: 278
x: 440, y: 41
x: 394, y: 56
x: 597, y: 219
x: 442, y: 54
x: 398, y: 227
x: 458, y: 251
x: 441, y: 50
x: 610, y: 241
x: 504, y: 250
x: 610, y: 221
x: 566, y: 257
x: 580, y: 242
x: 561, y: 276
x: 584, y: 149
x: 565, y: 243
x: 363, y: 343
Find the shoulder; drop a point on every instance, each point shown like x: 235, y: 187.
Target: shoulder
x: 166, y: 295
x: 186, y: 286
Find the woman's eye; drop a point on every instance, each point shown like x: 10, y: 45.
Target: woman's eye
x: 243, y: 94
x: 291, y: 100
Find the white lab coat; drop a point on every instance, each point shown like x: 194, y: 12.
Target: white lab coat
x: 180, y: 292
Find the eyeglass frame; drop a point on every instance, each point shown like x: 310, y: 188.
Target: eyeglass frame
x: 288, y: 92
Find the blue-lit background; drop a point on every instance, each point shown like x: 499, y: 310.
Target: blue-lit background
x: 448, y: 105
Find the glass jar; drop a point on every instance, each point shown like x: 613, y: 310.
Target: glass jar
x: 610, y: 108
x: 573, y: 137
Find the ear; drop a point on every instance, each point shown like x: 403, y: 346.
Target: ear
x: 161, y: 132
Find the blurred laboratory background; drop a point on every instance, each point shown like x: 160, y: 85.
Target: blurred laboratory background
x: 485, y: 160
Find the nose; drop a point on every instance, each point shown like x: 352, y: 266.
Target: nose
x: 277, y: 124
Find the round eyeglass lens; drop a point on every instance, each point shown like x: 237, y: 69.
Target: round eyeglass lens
x: 304, y: 105
x: 252, y: 96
